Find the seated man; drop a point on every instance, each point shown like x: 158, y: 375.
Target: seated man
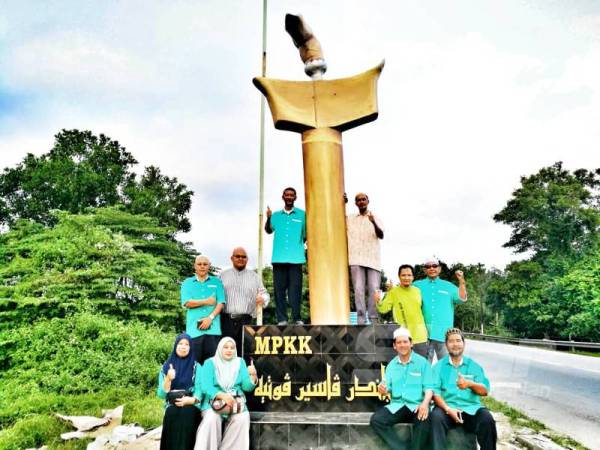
x: 405, y: 303
x: 459, y: 382
x: 408, y: 380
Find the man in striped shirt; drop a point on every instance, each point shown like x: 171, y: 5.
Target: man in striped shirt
x: 244, y: 291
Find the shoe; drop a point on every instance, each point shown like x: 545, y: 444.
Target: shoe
x: 282, y: 323
x: 299, y: 322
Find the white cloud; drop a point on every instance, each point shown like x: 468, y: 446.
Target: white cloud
x: 467, y: 105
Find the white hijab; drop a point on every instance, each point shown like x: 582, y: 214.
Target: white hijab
x: 226, y: 371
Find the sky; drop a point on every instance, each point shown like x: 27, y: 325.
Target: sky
x: 474, y: 95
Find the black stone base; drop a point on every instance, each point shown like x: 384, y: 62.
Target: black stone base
x: 278, y: 431
x: 347, y: 362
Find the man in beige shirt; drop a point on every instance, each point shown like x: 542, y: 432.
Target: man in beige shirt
x: 364, y: 232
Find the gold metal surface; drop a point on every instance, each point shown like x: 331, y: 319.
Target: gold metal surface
x: 326, y: 227
x: 321, y: 110
x: 341, y: 104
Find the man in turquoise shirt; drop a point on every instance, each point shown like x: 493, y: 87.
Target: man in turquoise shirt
x: 203, y: 297
x: 289, y: 226
x: 459, y: 382
x: 439, y: 297
x: 408, y: 381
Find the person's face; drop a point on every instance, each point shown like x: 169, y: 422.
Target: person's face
x: 402, y: 345
x: 432, y: 269
x: 228, y: 350
x: 201, y: 267
x: 406, y: 277
x: 455, y: 345
x: 362, y: 202
x: 183, y: 348
x: 289, y: 197
x: 239, y: 258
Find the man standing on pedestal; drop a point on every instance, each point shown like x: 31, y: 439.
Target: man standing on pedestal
x: 439, y: 298
x: 364, y: 258
x: 409, y: 382
x: 289, y: 226
x: 244, y: 291
x: 458, y: 384
x: 203, y: 297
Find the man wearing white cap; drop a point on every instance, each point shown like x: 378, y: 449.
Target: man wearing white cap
x: 439, y: 297
x: 409, y: 382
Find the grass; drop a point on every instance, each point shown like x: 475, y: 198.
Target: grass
x: 35, y: 430
x: 518, y: 419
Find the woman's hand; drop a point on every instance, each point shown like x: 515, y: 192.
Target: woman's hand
x: 185, y: 401
x: 227, y: 398
x: 170, y: 373
x: 252, y: 372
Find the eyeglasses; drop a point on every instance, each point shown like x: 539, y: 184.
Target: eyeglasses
x: 431, y: 266
x: 240, y: 256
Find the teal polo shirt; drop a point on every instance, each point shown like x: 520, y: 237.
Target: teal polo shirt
x: 408, y: 382
x: 192, y: 289
x: 439, y: 297
x: 444, y: 383
x: 290, y: 234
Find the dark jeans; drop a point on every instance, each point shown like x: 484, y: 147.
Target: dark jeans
x: 232, y: 325
x: 421, y: 349
x: 482, y: 424
x: 437, y: 347
x: 287, y: 282
x: 383, y: 422
x: 205, y: 346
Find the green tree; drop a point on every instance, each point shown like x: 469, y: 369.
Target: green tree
x: 554, y: 211
x: 165, y: 198
x: 555, y: 216
x: 84, y: 170
x: 106, y: 260
x: 576, y: 296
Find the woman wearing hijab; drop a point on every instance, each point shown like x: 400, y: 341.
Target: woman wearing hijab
x: 179, y: 384
x: 225, y: 377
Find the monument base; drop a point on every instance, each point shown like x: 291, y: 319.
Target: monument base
x: 317, y: 387
x: 278, y: 431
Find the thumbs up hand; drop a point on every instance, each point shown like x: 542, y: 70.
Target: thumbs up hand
x: 252, y: 371
x: 171, y: 373
x: 461, y: 382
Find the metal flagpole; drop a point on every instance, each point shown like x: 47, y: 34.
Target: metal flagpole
x: 261, y: 189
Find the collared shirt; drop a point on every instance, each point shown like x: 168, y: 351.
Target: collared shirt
x: 439, y: 297
x: 290, y: 234
x: 444, y: 379
x: 363, y: 243
x: 241, y: 289
x: 194, y: 289
x: 405, y: 303
x: 408, y: 383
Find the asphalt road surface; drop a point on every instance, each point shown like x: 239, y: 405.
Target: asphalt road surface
x: 561, y: 390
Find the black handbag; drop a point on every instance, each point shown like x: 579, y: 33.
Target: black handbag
x: 177, y: 393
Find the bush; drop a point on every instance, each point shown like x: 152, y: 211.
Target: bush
x: 78, y: 365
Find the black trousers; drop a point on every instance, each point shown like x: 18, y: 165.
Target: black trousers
x: 232, y: 325
x: 287, y: 283
x: 179, y: 427
x: 383, y: 422
x: 482, y: 424
x: 205, y: 346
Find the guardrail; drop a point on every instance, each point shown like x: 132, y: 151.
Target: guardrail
x: 535, y: 342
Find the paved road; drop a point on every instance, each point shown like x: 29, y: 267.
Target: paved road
x: 561, y: 390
